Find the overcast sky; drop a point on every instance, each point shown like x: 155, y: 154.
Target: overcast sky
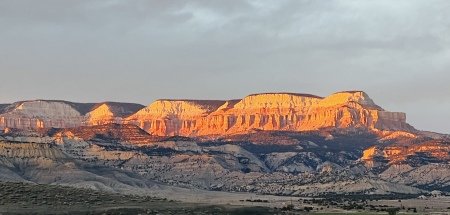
x: 139, y: 51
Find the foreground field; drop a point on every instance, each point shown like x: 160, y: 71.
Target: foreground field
x: 26, y: 198
x: 22, y: 198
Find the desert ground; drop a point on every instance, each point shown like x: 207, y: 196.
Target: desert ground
x: 23, y: 198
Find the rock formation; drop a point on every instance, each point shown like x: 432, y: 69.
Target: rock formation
x: 267, y: 111
x: 62, y: 114
x: 433, y: 151
x: 311, y: 165
x: 173, y: 117
x: 110, y: 112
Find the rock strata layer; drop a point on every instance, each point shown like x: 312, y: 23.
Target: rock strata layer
x: 434, y: 151
x: 267, y: 111
x: 38, y: 114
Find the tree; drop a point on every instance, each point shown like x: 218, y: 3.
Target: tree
x: 307, y: 209
x: 392, y: 211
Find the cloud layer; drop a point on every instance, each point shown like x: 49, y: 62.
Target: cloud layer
x: 140, y: 51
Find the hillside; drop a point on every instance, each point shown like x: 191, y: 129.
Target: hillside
x: 194, y: 118
x: 269, y: 143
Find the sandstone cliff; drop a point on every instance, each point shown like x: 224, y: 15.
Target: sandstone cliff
x: 268, y: 111
x: 433, y: 151
x: 173, y: 117
x: 37, y: 114
x: 40, y: 114
x: 110, y: 112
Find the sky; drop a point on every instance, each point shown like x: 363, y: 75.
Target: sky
x: 138, y: 51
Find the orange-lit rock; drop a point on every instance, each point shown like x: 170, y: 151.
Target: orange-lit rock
x: 352, y: 109
x: 174, y: 117
x: 371, y: 152
x: 110, y: 112
x: 436, y: 150
x: 268, y: 111
x: 100, y: 115
x: 389, y: 135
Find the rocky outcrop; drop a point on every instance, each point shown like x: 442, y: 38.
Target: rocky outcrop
x: 428, y: 176
x: 434, y: 151
x: 174, y: 117
x: 352, y: 109
x: 38, y: 114
x: 310, y: 163
x: 268, y: 111
x: 3, y: 107
x: 110, y: 112
x: 29, y: 150
x: 118, y: 133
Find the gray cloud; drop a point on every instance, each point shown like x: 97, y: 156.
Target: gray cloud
x: 139, y: 51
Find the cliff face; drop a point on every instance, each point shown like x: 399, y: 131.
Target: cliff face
x: 109, y: 133
x: 269, y: 111
x: 434, y: 151
x: 61, y: 114
x: 40, y: 114
x: 173, y: 117
x: 110, y: 112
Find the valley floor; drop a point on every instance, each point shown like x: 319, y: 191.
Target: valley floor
x: 25, y: 198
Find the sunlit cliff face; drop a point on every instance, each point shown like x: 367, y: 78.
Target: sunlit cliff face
x: 267, y: 111
x: 100, y: 115
x: 426, y: 151
x: 110, y: 112
x: 182, y: 109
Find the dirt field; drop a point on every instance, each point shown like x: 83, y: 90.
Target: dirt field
x: 22, y: 198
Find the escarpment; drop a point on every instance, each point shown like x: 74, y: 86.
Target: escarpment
x: 110, y: 112
x: 266, y: 111
x: 38, y: 114
x: 433, y: 151
x: 353, y: 109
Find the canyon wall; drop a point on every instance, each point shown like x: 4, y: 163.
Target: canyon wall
x: 38, y: 114
x: 110, y: 112
x: 267, y: 111
x: 425, y: 152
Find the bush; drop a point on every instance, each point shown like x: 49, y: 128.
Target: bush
x: 307, y: 209
x: 288, y: 208
x: 392, y: 211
